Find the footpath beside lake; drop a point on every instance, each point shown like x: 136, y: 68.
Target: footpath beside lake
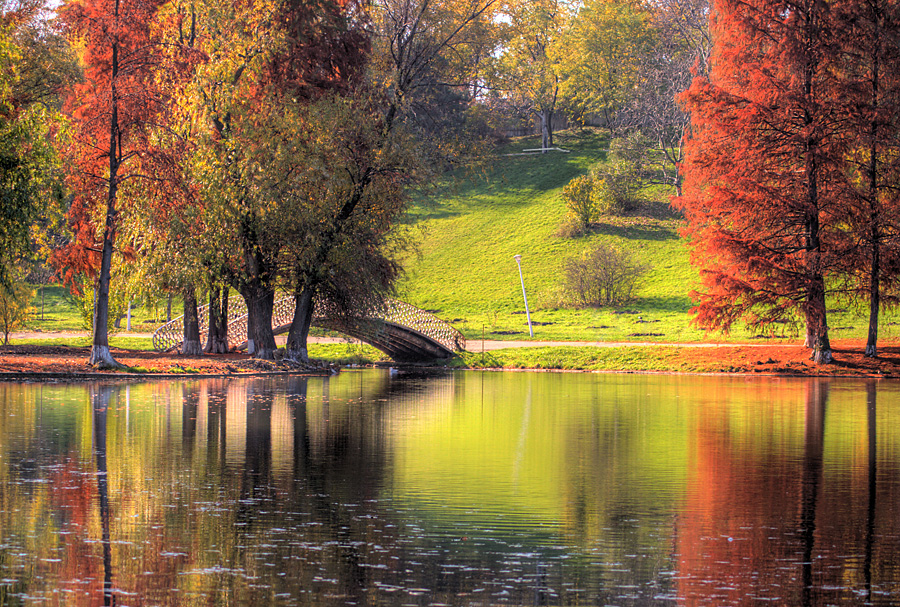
x: 766, y: 358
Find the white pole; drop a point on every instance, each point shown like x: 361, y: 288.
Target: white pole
x: 518, y: 259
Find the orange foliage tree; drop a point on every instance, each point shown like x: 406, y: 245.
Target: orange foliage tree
x: 868, y: 32
x: 114, y: 112
x: 763, y: 168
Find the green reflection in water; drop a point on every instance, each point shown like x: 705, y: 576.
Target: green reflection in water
x: 542, y: 450
x: 470, y: 488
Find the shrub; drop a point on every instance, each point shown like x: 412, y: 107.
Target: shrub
x: 603, y: 275
x: 579, y: 197
x: 616, y: 185
x: 633, y: 152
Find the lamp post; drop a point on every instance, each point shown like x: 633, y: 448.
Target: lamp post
x: 518, y: 259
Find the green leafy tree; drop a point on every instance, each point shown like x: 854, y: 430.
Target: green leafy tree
x: 602, y: 56
x: 15, y: 306
x: 528, y: 71
x: 35, y: 63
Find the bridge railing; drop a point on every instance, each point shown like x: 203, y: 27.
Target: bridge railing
x: 171, y: 334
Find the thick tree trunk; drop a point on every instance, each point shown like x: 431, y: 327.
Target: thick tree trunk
x: 217, y: 337
x: 100, y: 354
x: 817, y: 323
x: 169, y: 308
x: 191, y: 345
x: 296, y: 348
x: 260, y: 337
x: 874, y: 302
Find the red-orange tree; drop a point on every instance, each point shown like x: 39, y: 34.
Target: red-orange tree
x: 763, y: 165
x: 113, y: 113
x: 869, y: 40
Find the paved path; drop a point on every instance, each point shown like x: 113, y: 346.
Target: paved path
x: 474, y: 345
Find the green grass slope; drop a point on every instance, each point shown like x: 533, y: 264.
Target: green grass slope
x: 465, y: 270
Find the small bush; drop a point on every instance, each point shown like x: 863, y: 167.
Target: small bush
x: 632, y: 151
x: 616, y: 185
x: 603, y: 275
x: 615, y: 189
x: 571, y: 228
x: 579, y: 197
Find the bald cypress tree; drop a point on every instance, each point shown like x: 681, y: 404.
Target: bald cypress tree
x: 762, y: 167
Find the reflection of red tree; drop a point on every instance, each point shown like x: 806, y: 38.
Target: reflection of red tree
x: 774, y: 511
x: 79, y: 570
x: 744, y: 498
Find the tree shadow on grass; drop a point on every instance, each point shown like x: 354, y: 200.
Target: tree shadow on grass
x: 673, y: 303
x: 635, y: 231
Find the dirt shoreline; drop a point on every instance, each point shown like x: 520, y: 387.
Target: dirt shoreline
x: 36, y: 362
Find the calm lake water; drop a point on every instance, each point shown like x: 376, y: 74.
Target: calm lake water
x: 386, y: 488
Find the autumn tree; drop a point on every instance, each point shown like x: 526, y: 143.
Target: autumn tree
x: 868, y: 36
x: 113, y: 113
x: 528, y: 71
x: 680, y: 50
x: 35, y: 64
x: 265, y: 62
x: 762, y: 167
x: 421, y: 49
x: 602, y: 56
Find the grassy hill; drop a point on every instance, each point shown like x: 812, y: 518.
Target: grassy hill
x: 465, y: 270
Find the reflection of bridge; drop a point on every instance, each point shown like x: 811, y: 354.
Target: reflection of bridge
x: 401, y: 331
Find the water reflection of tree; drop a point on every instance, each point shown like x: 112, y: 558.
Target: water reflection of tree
x: 100, y: 398
x: 779, y: 515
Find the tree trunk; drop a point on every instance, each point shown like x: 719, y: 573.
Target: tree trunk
x: 816, y: 311
x: 546, y: 130
x: 874, y: 219
x: 817, y: 323
x: 260, y: 338
x: 296, y: 348
x: 191, y: 345
x: 100, y: 354
x: 217, y: 337
x: 169, y: 308
x: 874, y: 301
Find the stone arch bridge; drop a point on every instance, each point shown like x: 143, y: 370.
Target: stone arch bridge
x: 400, y: 330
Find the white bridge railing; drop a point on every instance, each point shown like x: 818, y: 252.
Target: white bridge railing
x: 402, y: 314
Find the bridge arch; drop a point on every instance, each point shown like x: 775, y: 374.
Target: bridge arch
x: 400, y: 330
